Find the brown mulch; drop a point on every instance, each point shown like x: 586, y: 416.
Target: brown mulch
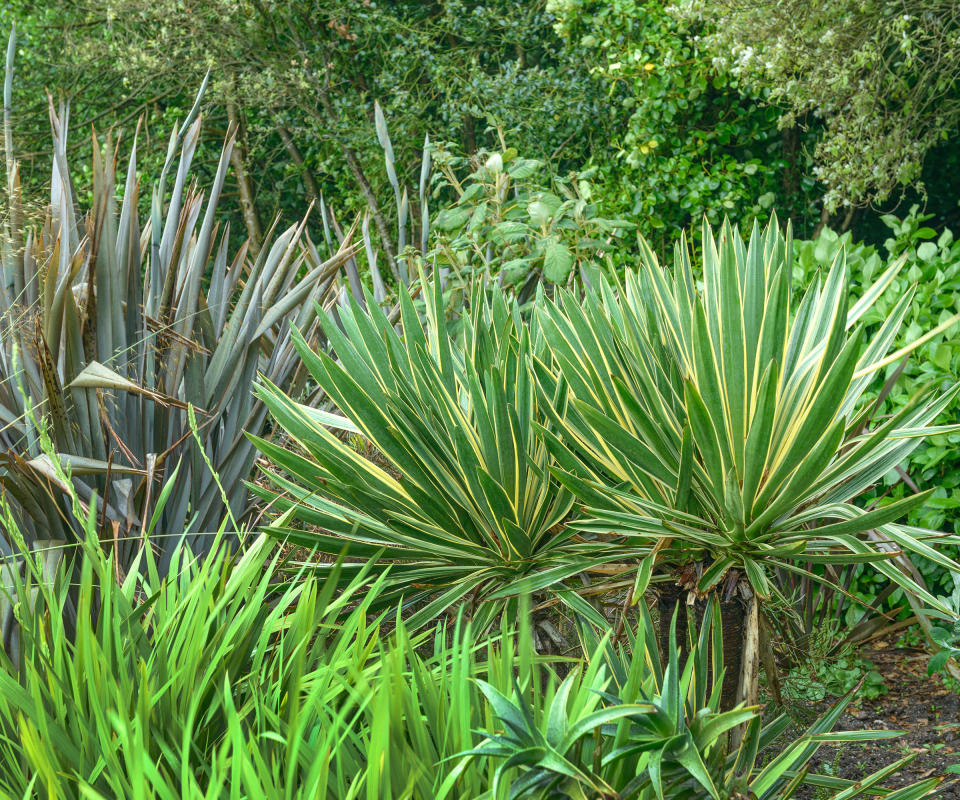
x: 923, y: 706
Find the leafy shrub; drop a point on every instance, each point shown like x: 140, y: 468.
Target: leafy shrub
x: 946, y: 632
x: 512, y: 223
x: 448, y: 67
x: 688, y: 139
x: 931, y: 272
x: 501, y: 217
x: 855, y: 68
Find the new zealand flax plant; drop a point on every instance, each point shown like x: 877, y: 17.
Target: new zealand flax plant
x: 111, y: 323
x: 726, y: 432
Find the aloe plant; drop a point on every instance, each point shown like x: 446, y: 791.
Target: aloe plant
x: 724, y: 432
x: 112, y: 324
x: 621, y: 726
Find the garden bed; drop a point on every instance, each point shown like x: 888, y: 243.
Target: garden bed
x: 922, y: 705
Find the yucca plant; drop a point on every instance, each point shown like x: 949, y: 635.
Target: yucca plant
x: 623, y: 727
x: 110, y: 325
x: 585, y: 742
x: 722, y: 431
x: 459, y: 497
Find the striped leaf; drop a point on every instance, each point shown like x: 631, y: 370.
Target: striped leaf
x: 708, y: 393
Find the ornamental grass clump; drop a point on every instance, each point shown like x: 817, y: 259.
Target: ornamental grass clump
x: 214, y: 680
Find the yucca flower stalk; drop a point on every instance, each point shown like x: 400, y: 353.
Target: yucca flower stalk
x: 719, y: 428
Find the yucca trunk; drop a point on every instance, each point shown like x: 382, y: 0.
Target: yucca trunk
x: 740, y: 630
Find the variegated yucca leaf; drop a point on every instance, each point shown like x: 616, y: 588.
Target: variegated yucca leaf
x: 711, y: 419
x: 459, y: 495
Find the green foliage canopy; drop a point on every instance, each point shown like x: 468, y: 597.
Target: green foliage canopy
x: 883, y: 76
x: 687, y: 139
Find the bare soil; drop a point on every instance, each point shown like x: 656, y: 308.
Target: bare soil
x: 922, y: 706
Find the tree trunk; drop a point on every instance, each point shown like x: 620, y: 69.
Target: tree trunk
x: 672, y: 597
x: 790, y: 181
x: 734, y: 613
x: 735, y: 617
x: 309, y: 182
x: 824, y: 221
x: 769, y: 661
x: 238, y: 158
x: 469, y: 135
x: 848, y: 219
